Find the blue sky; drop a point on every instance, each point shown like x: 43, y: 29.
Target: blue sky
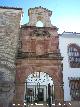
x: 66, y: 13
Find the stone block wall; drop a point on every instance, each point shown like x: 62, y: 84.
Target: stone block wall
x: 9, y: 34
x: 38, y: 51
x: 39, y: 40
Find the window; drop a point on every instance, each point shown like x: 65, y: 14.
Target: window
x: 74, y: 56
x: 75, y: 89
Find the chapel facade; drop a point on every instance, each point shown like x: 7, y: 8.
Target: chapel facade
x: 26, y: 50
x: 38, y: 51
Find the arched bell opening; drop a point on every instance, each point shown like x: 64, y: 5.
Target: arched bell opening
x: 39, y: 24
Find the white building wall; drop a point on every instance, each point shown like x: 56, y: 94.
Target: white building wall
x: 64, y: 41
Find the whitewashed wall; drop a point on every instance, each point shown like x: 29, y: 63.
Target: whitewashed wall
x: 64, y: 41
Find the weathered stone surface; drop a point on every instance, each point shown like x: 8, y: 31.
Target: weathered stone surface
x: 44, y: 44
x: 38, y: 51
x: 39, y: 13
x: 9, y: 34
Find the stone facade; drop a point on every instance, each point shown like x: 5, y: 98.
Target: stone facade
x: 39, y: 13
x: 9, y: 33
x: 38, y: 51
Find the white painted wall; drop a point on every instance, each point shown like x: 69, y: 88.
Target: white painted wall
x: 64, y: 41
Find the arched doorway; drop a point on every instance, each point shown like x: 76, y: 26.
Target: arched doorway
x: 37, y: 92
x: 37, y: 88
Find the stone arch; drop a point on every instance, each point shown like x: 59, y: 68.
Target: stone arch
x: 22, y: 73
x: 27, y: 70
x: 42, y: 19
x: 30, y: 66
x: 42, y: 81
x: 39, y: 13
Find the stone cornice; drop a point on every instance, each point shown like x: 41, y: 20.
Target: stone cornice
x: 25, y: 26
x: 51, y: 56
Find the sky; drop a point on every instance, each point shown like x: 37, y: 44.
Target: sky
x: 65, y: 13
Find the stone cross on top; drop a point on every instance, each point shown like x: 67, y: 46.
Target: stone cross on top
x: 39, y: 14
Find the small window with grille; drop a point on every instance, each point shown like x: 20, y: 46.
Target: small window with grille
x: 74, y: 56
x: 75, y: 89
